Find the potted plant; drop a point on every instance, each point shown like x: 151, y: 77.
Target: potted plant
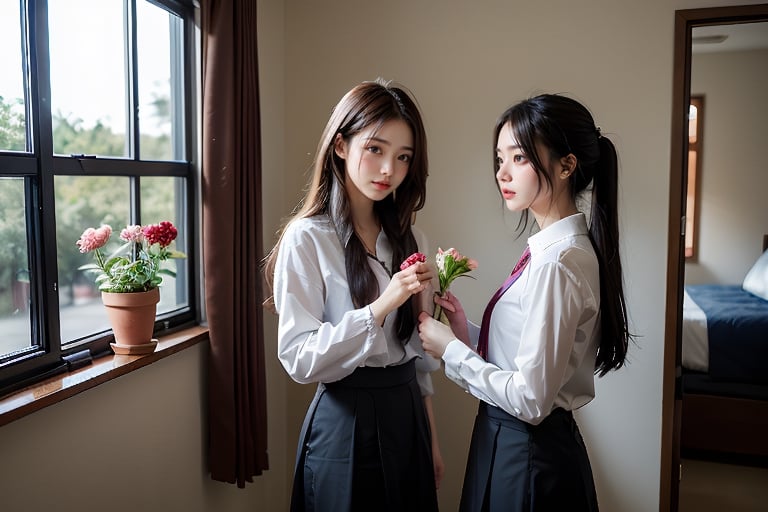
x: 129, y: 279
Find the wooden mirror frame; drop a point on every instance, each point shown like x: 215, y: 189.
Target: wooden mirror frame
x: 685, y: 21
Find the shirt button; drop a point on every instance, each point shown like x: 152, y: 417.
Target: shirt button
x: 517, y: 411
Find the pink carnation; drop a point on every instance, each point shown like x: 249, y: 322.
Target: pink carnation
x: 134, y: 267
x: 456, y: 255
x: 94, y: 238
x: 132, y: 233
x: 451, y: 265
x: 163, y: 233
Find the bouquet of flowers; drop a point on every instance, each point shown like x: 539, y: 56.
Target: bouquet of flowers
x: 450, y: 265
x: 136, y: 265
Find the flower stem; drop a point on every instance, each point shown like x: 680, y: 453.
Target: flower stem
x: 99, y: 260
x: 437, y: 313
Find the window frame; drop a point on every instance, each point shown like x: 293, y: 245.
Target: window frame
x: 49, y: 355
x: 693, y: 183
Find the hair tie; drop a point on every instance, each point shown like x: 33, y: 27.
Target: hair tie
x: 597, y: 130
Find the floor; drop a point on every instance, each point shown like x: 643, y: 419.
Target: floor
x: 710, y: 487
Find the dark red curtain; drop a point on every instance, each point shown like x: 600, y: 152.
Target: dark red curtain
x: 232, y: 241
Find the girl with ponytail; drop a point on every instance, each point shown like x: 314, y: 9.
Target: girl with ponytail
x: 559, y: 319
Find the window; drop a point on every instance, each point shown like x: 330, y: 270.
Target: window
x: 96, y: 127
x: 695, y: 131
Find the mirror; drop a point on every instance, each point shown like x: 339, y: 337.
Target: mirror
x: 719, y: 58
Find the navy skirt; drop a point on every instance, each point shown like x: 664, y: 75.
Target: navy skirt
x: 514, y: 466
x: 365, y: 445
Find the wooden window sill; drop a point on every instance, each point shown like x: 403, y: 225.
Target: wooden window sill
x: 103, y: 369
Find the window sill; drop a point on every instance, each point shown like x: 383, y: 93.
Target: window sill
x: 103, y: 369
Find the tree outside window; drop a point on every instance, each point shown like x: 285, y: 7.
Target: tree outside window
x: 111, y: 146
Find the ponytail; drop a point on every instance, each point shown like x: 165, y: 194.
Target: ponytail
x: 565, y: 126
x: 604, y: 233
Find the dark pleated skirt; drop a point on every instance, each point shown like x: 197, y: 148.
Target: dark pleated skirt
x: 514, y: 466
x: 365, y: 446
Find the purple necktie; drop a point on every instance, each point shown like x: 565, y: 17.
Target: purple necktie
x: 482, y: 344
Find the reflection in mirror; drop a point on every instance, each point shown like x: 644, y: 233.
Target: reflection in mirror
x: 723, y: 383
x: 729, y: 76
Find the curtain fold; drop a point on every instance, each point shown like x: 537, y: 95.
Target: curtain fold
x: 232, y: 241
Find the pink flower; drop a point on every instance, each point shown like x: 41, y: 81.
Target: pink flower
x: 94, y: 238
x: 136, y: 265
x: 132, y: 233
x: 412, y: 259
x: 451, y: 265
x: 163, y: 233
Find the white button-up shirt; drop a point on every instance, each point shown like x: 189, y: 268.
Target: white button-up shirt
x: 322, y: 337
x: 544, y: 331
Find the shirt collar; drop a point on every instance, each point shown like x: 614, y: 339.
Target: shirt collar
x: 383, y: 246
x: 570, y: 226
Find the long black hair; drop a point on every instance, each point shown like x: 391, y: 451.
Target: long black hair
x: 368, y: 104
x: 564, y: 126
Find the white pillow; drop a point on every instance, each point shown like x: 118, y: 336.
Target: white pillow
x: 756, y: 280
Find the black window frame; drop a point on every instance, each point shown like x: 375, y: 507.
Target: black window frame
x: 47, y: 355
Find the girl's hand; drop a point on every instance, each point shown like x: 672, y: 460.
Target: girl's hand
x: 414, y: 279
x: 454, y: 311
x: 424, y: 301
x: 435, y: 335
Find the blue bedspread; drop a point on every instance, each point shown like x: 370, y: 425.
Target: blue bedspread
x: 737, y: 328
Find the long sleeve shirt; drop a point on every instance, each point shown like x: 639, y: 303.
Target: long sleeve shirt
x: 544, y: 331
x: 322, y: 336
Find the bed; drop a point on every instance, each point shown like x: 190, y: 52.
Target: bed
x: 724, y: 379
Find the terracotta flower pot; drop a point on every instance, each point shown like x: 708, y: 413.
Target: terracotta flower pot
x: 132, y: 316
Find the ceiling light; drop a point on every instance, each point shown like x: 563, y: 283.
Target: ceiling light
x: 713, y: 39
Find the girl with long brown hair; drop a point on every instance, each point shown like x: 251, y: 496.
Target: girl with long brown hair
x: 347, y: 313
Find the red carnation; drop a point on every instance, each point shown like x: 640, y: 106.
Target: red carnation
x: 413, y: 258
x: 163, y: 233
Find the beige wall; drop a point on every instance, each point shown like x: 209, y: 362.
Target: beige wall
x: 734, y: 176
x: 465, y: 62
x: 135, y: 443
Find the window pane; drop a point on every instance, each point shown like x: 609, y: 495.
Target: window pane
x: 13, y: 119
x: 692, y: 123
x: 15, y: 311
x: 160, y: 83
x: 81, y: 203
x: 162, y: 199
x: 690, y: 205
x: 88, y: 77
